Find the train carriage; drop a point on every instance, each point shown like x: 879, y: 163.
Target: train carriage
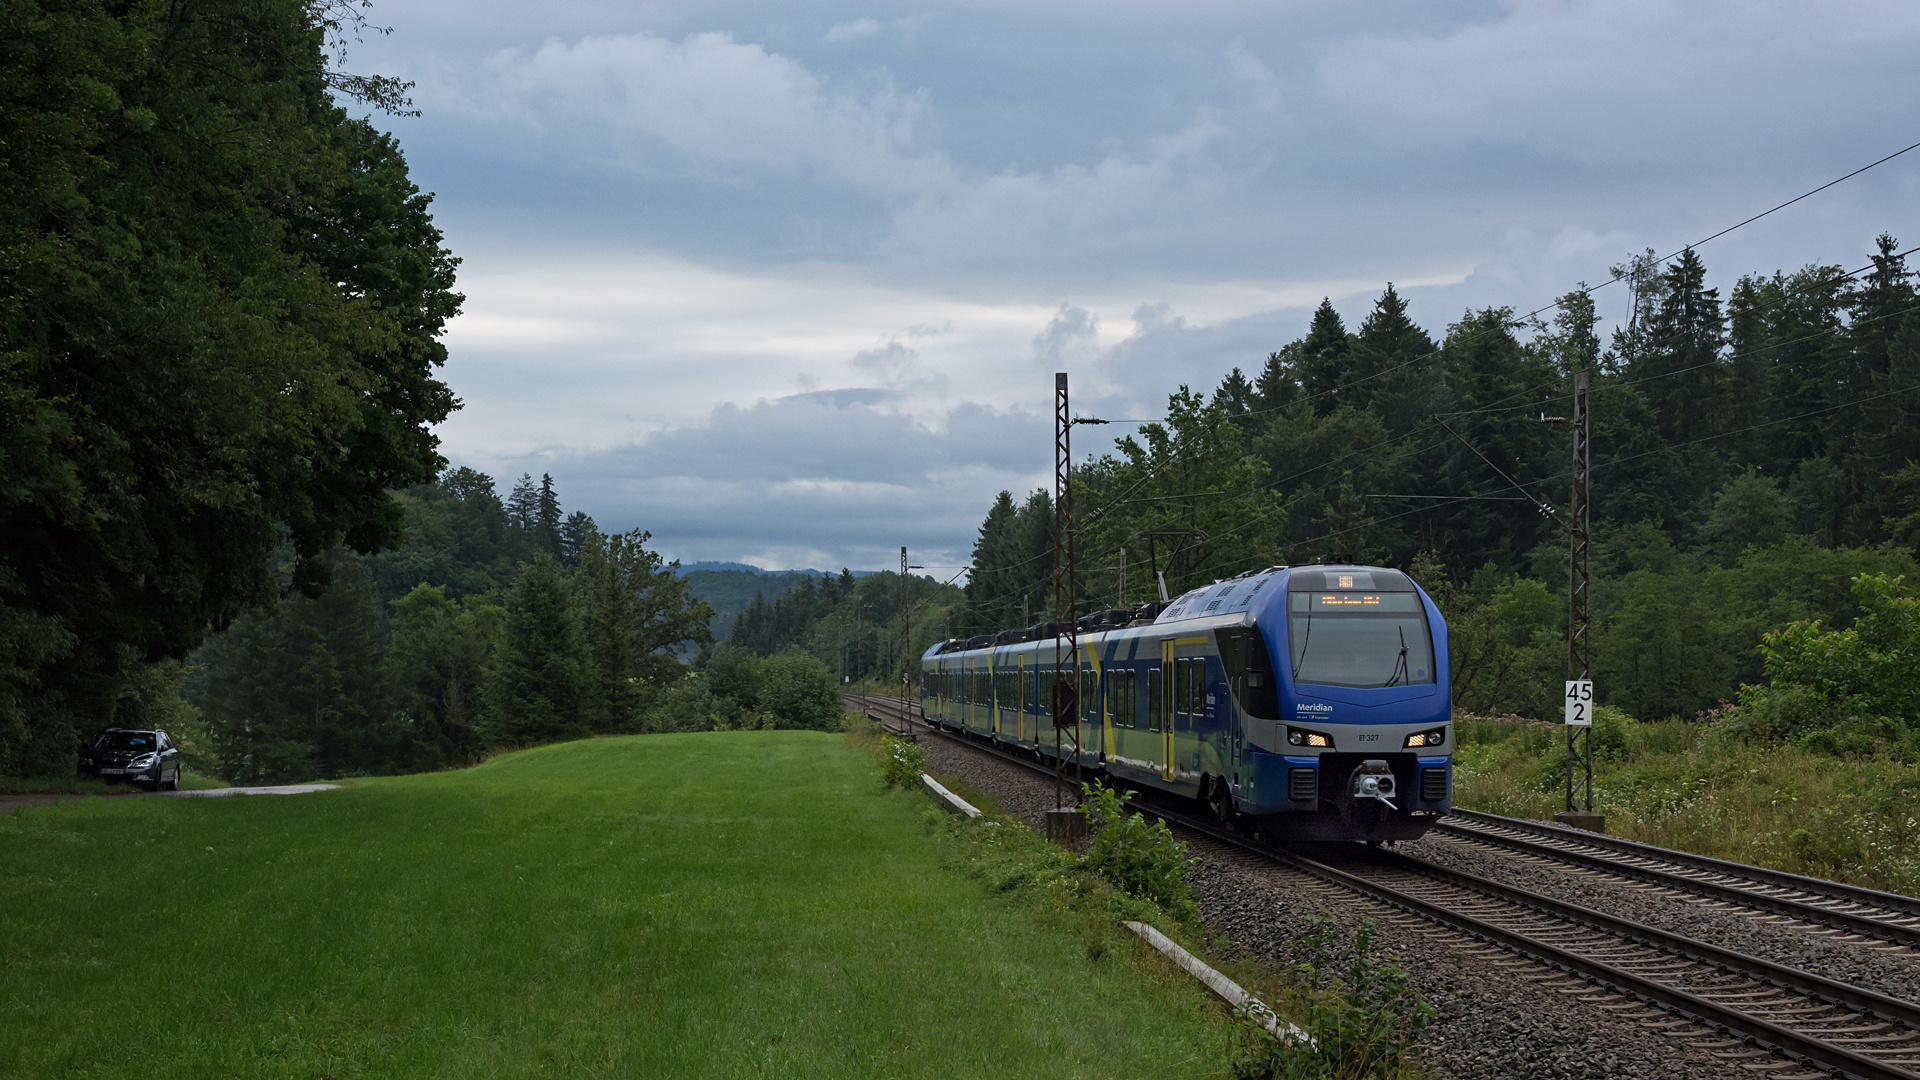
x: 1311, y: 699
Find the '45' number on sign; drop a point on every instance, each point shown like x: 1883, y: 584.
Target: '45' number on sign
x: 1580, y: 702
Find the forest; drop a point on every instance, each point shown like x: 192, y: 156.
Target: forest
x: 506, y: 622
x: 1753, y: 459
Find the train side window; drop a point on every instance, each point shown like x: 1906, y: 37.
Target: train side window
x: 1197, y: 704
x: 1155, y: 702
x: 1182, y: 678
x: 1089, y: 693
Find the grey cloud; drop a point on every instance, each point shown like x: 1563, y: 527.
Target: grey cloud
x: 816, y: 476
x: 1068, y: 327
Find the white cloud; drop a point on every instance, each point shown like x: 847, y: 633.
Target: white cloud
x: 852, y: 30
x: 706, y: 106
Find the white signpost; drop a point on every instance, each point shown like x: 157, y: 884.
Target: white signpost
x: 1579, y: 702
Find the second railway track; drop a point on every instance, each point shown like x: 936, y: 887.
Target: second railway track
x: 1831, y: 1028
x: 1851, y: 913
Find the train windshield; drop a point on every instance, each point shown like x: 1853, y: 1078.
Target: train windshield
x: 1361, y: 639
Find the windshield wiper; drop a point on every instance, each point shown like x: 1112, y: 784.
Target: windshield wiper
x: 1400, y: 669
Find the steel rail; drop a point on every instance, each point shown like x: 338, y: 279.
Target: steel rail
x: 1804, y: 1047
x: 1865, y: 925
x: 1835, y: 890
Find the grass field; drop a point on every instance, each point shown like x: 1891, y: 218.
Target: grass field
x: 710, y: 905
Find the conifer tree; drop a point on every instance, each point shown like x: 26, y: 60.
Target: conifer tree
x: 576, y: 532
x: 1325, y: 358
x: 547, y: 518
x: 1392, y: 366
x: 1235, y: 398
x: 537, y: 691
x: 523, y: 506
x: 1278, y: 386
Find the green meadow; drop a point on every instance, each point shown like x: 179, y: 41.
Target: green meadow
x: 701, y: 905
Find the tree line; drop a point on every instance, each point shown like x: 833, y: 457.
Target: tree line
x: 497, y: 623
x: 221, y: 302
x: 1751, y: 457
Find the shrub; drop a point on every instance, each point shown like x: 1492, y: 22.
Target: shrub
x: 1869, y: 669
x: 904, y: 761
x: 799, y: 690
x: 1138, y: 858
x: 1361, y: 1027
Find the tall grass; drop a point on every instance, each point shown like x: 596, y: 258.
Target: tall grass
x: 700, y: 905
x: 1697, y: 788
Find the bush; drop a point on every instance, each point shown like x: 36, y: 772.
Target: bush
x: 904, y: 761
x: 1138, y: 858
x: 799, y: 691
x: 1361, y: 1027
x: 1869, y: 669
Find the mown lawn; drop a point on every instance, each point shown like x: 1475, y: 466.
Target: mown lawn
x: 711, y: 905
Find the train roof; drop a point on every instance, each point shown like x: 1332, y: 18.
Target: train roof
x: 1233, y: 601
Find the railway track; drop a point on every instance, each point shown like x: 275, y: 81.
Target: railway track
x: 1841, y: 912
x: 1821, y: 1027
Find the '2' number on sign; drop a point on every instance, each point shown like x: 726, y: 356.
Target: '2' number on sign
x: 1580, y: 702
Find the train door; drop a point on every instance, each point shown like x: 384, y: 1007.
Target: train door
x: 1160, y: 685
x: 1022, y: 695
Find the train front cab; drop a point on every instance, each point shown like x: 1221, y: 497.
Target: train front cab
x: 1360, y: 691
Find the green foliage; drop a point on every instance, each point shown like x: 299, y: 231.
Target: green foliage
x: 1013, y: 585
x: 1136, y: 857
x: 742, y: 692
x: 220, y: 306
x: 302, y: 693
x: 1192, y: 472
x: 635, y: 612
x: 902, y: 761
x: 798, y: 691
x: 1870, y: 668
x: 438, y: 662
x: 1834, y: 802
x: 1364, y: 1025
x: 538, y: 691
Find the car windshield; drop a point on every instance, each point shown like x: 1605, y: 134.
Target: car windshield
x: 1359, y: 639
x: 127, y: 740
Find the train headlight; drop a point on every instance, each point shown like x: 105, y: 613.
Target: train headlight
x: 1428, y: 738
x: 1302, y: 737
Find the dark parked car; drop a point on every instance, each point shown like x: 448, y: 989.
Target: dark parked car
x: 147, y: 757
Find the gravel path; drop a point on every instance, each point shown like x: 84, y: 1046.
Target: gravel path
x: 10, y: 803
x: 1494, y: 1018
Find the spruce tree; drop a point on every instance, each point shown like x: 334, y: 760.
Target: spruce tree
x: 1325, y: 358
x: 995, y: 573
x: 1679, y: 362
x: 1278, y: 386
x: 536, y: 694
x: 576, y: 532
x: 1392, y: 366
x: 523, y: 506
x: 1235, y: 397
x: 547, y: 518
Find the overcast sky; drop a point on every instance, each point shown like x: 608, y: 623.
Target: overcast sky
x: 787, y: 283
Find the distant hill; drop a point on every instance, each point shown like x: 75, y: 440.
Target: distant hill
x: 729, y: 591
x: 728, y: 587
x: 749, y: 568
x: 707, y: 564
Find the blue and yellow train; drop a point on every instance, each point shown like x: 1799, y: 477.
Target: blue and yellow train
x: 1313, y: 700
